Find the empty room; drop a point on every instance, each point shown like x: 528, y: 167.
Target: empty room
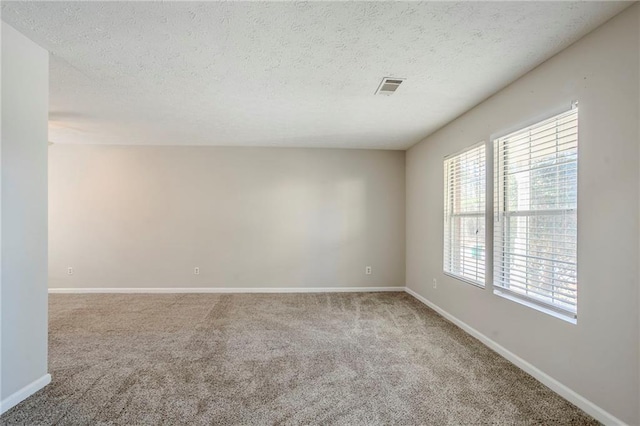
x: 320, y: 213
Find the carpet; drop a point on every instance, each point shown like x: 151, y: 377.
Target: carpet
x: 266, y: 359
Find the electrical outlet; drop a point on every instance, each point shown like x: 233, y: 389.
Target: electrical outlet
x: 69, y: 270
x: 435, y: 283
x: 367, y: 270
x: 196, y: 271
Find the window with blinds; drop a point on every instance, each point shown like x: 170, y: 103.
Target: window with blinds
x: 464, y: 216
x: 535, y: 223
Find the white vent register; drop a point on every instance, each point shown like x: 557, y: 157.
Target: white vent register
x: 389, y: 85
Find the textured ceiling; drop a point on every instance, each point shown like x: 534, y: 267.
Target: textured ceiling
x: 285, y: 74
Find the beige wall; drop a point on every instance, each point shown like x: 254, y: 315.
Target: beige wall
x: 597, y: 358
x: 23, y: 288
x: 127, y: 216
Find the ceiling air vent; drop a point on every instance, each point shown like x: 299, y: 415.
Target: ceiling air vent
x: 389, y: 85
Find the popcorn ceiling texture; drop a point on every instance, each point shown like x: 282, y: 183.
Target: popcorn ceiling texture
x: 285, y: 74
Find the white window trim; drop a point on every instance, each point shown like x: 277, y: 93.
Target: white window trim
x: 465, y: 279
x: 500, y: 291
x: 573, y: 319
x: 479, y: 284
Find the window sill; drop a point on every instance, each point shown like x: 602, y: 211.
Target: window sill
x: 463, y: 279
x: 565, y: 317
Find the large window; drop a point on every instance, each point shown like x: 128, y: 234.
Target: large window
x: 464, y: 216
x: 535, y: 223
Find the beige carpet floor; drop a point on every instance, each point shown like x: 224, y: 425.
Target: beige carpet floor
x: 289, y: 359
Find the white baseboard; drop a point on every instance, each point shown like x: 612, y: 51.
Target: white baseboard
x: 562, y: 390
x: 227, y: 290
x: 22, y: 394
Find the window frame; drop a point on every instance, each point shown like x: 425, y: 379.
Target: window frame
x: 447, y: 222
x: 500, y: 200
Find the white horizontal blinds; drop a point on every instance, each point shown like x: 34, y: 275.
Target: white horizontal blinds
x: 464, y: 227
x: 535, y: 232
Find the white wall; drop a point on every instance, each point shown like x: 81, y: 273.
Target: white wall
x: 25, y: 92
x: 597, y: 358
x: 131, y: 216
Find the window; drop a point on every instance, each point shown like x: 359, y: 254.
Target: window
x: 535, y: 223
x: 464, y: 216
